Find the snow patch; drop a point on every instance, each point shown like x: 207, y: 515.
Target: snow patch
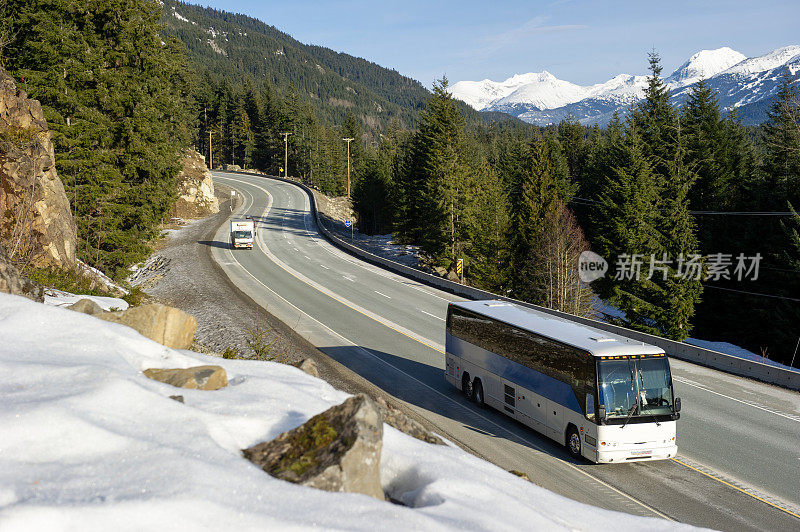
x: 59, y: 298
x: 89, y: 443
x: 103, y: 278
x: 179, y: 16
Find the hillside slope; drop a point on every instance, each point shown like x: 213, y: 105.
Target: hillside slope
x: 236, y: 47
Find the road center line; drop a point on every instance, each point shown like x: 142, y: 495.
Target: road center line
x: 748, y: 403
x: 529, y: 442
x: 384, y: 295
x: 432, y: 315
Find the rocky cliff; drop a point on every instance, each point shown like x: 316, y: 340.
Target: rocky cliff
x: 36, y: 225
x: 13, y: 282
x: 196, y: 188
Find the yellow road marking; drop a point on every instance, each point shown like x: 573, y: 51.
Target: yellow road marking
x: 343, y: 302
x: 440, y: 351
x: 735, y: 487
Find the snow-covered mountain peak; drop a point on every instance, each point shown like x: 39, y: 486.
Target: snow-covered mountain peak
x: 479, y: 94
x: 542, y: 98
x: 545, y: 91
x: 705, y: 64
x: 774, y: 59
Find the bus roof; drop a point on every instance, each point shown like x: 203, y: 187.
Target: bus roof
x: 595, y: 341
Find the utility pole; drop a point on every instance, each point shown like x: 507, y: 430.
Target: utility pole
x: 285, y: 154
x: 348, y: 141
x: 205, y: 120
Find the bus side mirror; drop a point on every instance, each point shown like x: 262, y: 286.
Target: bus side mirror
x: 601, y: 412
x: 677, y: 404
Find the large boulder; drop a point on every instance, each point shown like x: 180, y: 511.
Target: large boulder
x: 309, y: 366
x: 87, y: 306
x: 337, y: 450
x: 394, y: 417
x: 196, y: 188
x: 166, y: 325
x: 36, y: 224
x: 13, y: 282
x: 196, y: 378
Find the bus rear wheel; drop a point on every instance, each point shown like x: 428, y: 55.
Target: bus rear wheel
x: 574, y: 442
x: 477, y: 393
x: 466, y: 387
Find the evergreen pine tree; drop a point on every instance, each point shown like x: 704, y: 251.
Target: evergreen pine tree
x: 437, y: 174
x: 116, y: 96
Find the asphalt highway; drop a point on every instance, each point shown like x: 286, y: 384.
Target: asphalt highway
x: 739, y: 440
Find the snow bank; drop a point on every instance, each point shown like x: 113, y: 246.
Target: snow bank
x: 736, y: 351
x: 89, y: 443
x: 100, y: 276
x: 59, y: 298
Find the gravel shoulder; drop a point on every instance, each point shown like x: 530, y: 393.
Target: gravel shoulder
x: 182, y: 274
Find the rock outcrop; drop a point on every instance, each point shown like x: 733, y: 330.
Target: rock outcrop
x: 196, y: 378
x: 166, y: 325
x: 87, y: 306
x: 337, y: 450
x: 36, y: 224
x: 13, y: 282
x: 196, y: 188
x: 393, y: 417
x: 309, y: 366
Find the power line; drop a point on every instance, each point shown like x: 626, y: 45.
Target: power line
x: 591, y: 202
x: 752, y: 293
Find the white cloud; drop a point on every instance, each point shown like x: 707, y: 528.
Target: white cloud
x: 534, y: 26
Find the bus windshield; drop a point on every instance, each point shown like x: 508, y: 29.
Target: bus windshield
x: 635, y: 387
x: 242, y: 234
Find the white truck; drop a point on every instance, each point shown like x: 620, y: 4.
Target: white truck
x: 242, y: 234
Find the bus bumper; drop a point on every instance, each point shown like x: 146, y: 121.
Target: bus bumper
x: 638, y: 455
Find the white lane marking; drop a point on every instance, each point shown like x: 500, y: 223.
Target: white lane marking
x: 264, y: 248
x: 306, y: 256
x: 341, y: 255
x: 349, y: 278
x: 748, y: 403
x: 384, y: 295
x: 530, y: 442
x: 323, y: 266
x: 432, y: 315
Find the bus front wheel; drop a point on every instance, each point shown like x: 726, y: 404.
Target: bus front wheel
x: 573, y: 442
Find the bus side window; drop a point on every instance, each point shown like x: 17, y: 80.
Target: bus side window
x: 590, y: 406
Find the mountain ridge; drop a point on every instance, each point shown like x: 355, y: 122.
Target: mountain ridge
x: 543, y: 99
x: 237, y: 47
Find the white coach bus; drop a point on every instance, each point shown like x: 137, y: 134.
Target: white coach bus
x: 606, y: 397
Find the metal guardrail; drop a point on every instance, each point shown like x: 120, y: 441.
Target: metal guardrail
x: 697, y: 355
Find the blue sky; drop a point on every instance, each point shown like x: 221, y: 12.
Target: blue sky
x: 582, y: 41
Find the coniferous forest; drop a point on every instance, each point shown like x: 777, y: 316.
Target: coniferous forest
x: 126, y: 86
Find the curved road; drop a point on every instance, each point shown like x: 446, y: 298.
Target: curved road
x: 738, y: 440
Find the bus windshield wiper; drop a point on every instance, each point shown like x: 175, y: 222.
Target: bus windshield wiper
x: 631, y: 411
x: 641, y: 382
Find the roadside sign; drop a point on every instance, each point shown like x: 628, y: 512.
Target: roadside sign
x: 348, y: 223
x: 460, y: 268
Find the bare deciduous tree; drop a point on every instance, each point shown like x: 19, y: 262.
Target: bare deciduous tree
x: 557, y: 277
